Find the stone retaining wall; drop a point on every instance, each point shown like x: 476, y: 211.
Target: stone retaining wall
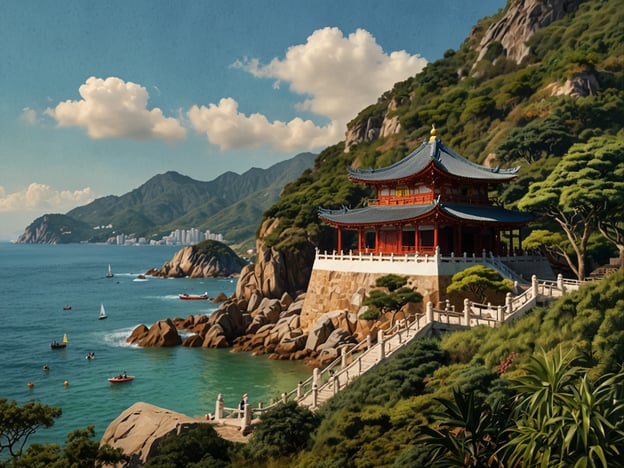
x: 343, y: 290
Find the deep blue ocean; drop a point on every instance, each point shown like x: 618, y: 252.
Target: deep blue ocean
x: 37, y: 281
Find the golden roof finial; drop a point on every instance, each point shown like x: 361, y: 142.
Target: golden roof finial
x: 433, y: 133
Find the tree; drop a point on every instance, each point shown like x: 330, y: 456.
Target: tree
x: 478, y: 280
x: 586, y: 187
x: 18, y: 423
x: 394, y: 300
x: 283, y: 431
x: 552, y: 244
x: 200, y: 446
x: 80, y: 451
x: 538, y: 138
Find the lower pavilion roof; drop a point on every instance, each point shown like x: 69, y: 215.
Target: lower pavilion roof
x: 379, y: 215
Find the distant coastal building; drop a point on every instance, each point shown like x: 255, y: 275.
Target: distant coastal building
x: 175, y: 238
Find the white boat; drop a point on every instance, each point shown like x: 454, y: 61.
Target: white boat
x: 102, y: 315
x: 110, y: 272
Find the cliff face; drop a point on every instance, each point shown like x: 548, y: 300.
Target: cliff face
x: 55, y: 229
x: 521, y: 20
x: 372, y: 128
x: 278, y: 270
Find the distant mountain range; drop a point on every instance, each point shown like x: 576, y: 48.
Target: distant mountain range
x: 231, y: 204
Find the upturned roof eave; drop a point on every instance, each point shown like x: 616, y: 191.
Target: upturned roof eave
x: 457, y: 213
x: 441, y: 157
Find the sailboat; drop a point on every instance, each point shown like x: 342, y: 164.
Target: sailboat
x: 102, y: 315
x: 56, y: 345
x: 110, y: 272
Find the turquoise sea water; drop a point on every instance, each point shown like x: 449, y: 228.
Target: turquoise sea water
x: 37, y: 281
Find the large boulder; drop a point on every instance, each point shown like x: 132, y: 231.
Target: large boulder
x: 140, y: 428
x: 215, y: 338
x: 319, y: 333
x: 137, y: 334
x: 336, y: 339
x: 162, y: 334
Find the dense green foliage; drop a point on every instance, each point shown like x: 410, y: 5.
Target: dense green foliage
x: 478, y: 280
x: 561, y: 416
x: 212, y: 248
x: 285, y: 430
x: 80, y: 450
x: 199, y: 447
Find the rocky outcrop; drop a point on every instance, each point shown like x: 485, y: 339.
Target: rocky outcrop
x: 55, y: 229
x: 578, y: 85
x: 195, y: 262
x: 521, y: 20
x: 368, y: 130
x: 140, y: 428
x: 162, y: 334
x: 276, y: 271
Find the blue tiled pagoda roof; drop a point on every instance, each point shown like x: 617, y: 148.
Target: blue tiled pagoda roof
x: 445, y: 159
x: 376, y: 215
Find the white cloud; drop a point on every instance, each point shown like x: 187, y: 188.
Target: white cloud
x: 112, y: 108
x: 42, y: 198
x: 227, y: 127
x: 339, y: 76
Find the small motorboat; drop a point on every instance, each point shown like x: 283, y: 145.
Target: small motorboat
x: 121, y: 379
x: 58, y: 345
x: 67, y: 307
x: 193, y: 297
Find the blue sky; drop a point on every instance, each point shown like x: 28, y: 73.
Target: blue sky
x: 100, y: 96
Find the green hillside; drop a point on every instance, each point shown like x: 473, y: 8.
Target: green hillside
x: 494, y: 109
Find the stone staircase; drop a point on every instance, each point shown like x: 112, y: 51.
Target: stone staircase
x: 354, y: 362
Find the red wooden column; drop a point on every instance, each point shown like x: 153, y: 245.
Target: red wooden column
x: 400, y: 239
x: 376, y: 239
x: 416, y: 239
x: 361, y: 239
x: 339, y: 240
x: 435, y: 235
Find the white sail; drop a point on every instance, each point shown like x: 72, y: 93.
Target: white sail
x: 102, y: 312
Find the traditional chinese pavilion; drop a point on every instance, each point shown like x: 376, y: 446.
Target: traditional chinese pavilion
x: 433, y: 198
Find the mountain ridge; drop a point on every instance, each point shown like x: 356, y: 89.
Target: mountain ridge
x: 167, y: 201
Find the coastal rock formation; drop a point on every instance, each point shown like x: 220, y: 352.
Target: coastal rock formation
x: 276, y: 271
x: 520, y: 22
x: 205, y: 260
x: 55, y: 229
x: 140, y: 428
x: 162, y: 334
